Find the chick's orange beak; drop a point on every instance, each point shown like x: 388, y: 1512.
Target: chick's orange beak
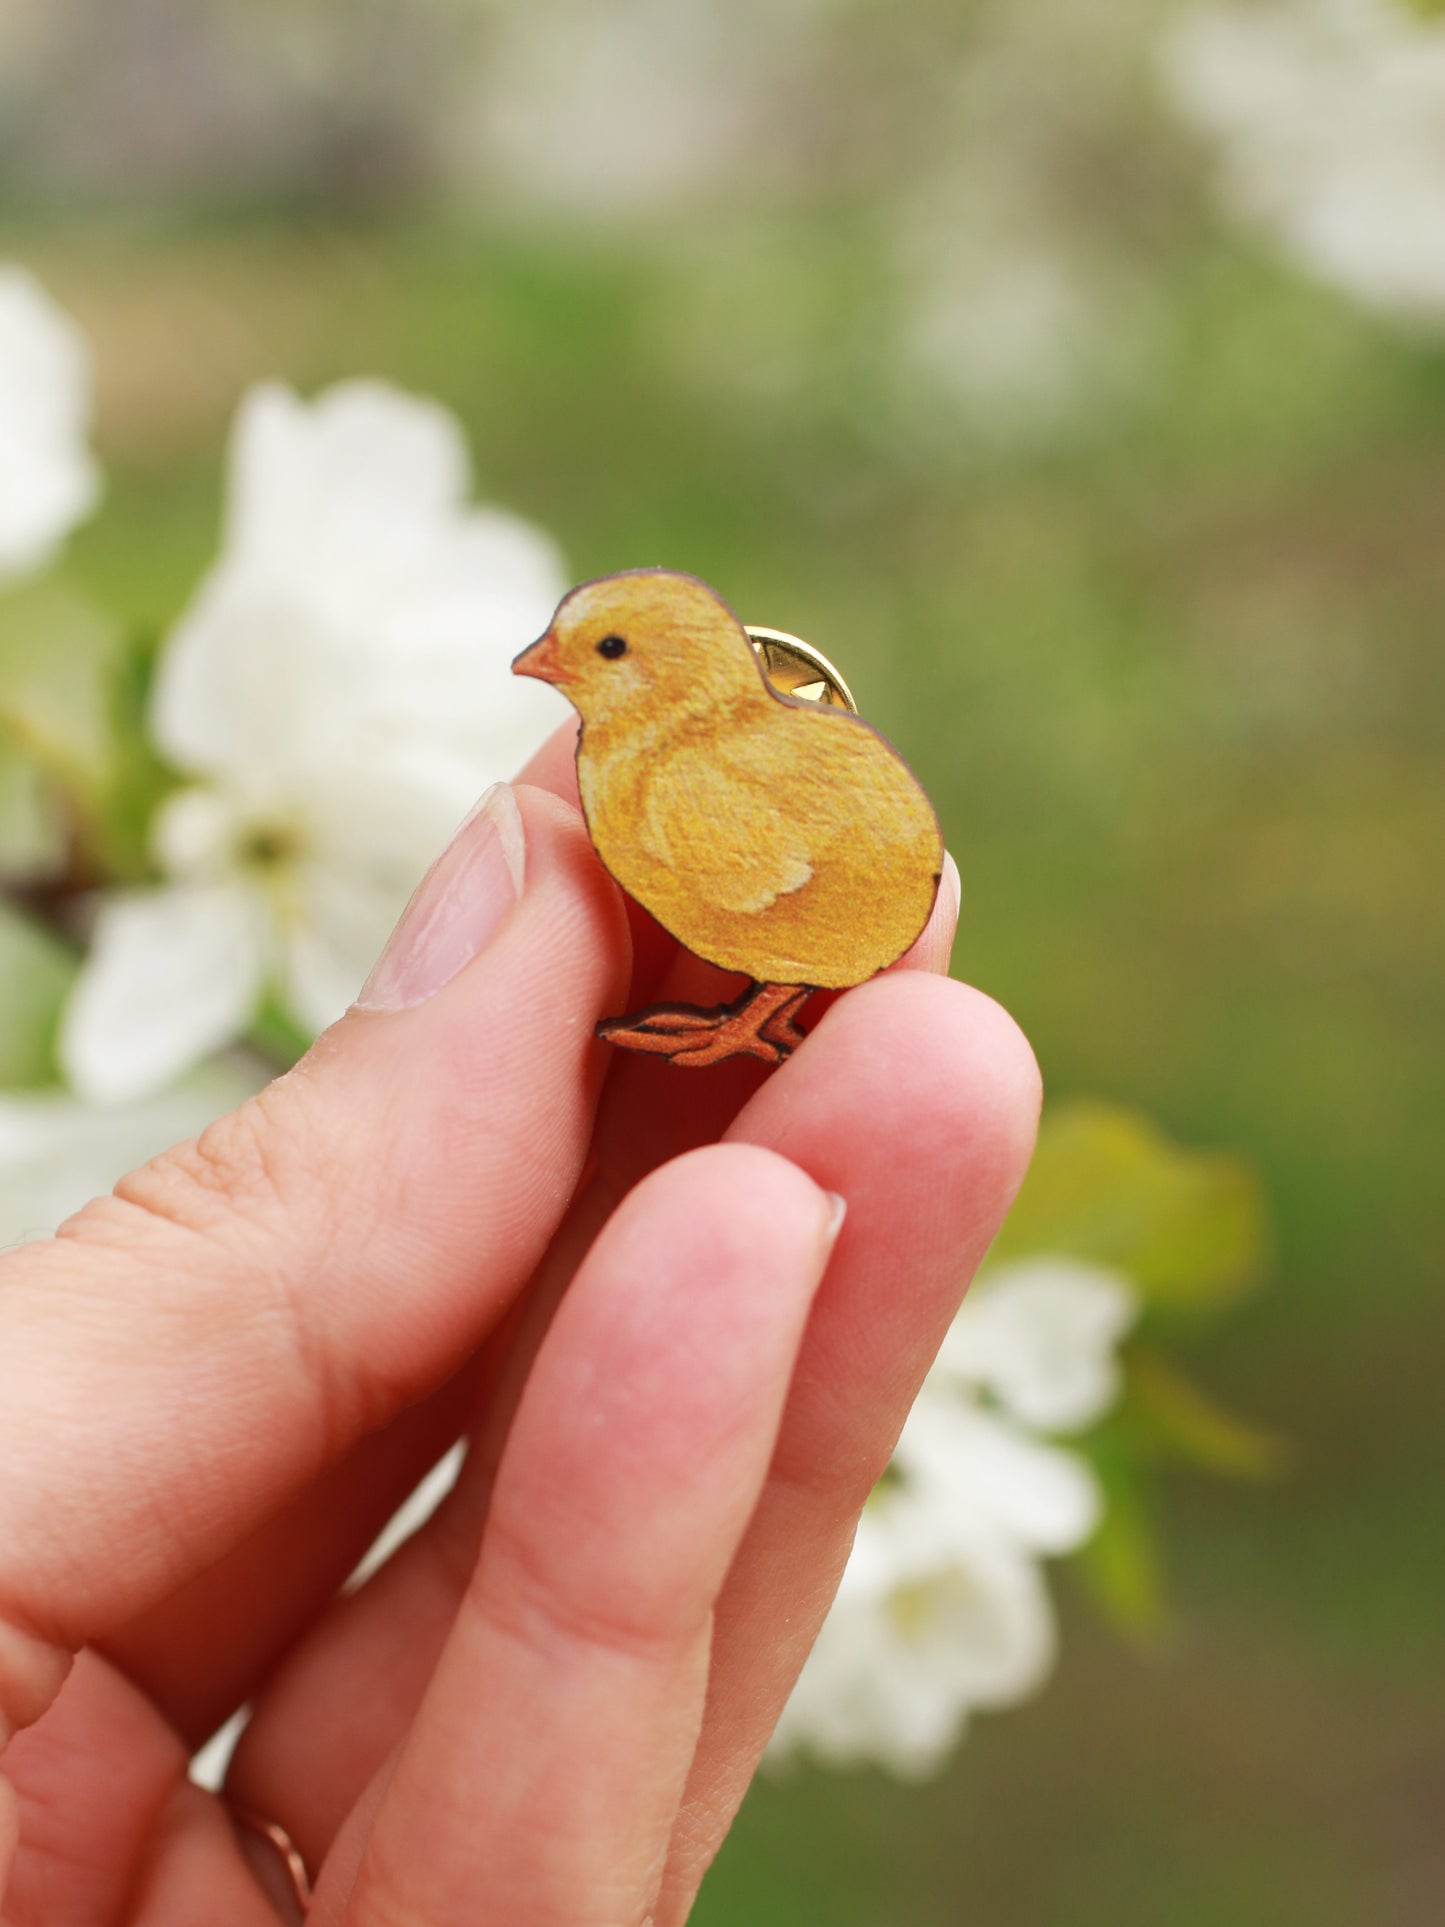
x: 542, y: 660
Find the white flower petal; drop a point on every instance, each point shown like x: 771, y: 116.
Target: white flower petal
x: 249, y: 679
x: 172, y: 975
x: 441, y: 644
x: 195, y: 831
x: 56, y: 1153
x: 389, y: 813
x: 1042, y: 1336
x: 943, y: 1606
x: 350, y: 483
x: 992, y: 1619
x: 894, y: 1676
x: 370, y: 831
x: 357, y: 598
x: 981, y: 1472
x: 48, y: 479
x: 327, y: 958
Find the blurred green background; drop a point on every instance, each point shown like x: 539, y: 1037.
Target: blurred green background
x: 1150, y: 588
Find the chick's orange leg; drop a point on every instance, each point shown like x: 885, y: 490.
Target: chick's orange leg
x: 757, y: 1024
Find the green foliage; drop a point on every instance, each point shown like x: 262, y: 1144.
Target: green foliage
x: 1120, y: 1566
x: 276, y: 1035
x: 72, y: 691
x: 1167, y: 1417
x: 36, y: 972
x: 1163, y: 1419
x: 32, y: 826
x: 1187, y: 1227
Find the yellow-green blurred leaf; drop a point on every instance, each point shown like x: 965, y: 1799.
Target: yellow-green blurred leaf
x: 36, y: 971
x: 277, y: 1036
x: 58, y: 655
x: 1187, y: 1226
x: 1119, y: 1567
x: 72, y: 701
x: 32, y: 827
x: 1172, y: 1417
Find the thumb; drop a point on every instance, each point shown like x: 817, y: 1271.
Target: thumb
x: 189, y: 1350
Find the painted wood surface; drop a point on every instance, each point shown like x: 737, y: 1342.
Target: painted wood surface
x: 771, y: 836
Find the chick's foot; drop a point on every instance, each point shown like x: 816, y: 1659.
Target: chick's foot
x: 757, y: 1024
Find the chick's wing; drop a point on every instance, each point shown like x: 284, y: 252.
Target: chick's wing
x: 715, y: 816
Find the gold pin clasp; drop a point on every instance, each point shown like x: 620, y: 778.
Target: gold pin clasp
x: 796, y: 668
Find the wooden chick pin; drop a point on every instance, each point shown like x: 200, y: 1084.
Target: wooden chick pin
x: 770, y: 835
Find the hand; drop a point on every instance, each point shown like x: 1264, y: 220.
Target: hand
x: 218, y: 1383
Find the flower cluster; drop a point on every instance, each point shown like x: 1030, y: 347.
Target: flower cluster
x: 331, y: 703
x: 336, y: 696
x: 943, y: 1607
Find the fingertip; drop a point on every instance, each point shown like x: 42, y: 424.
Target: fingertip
x: 748, y: 1204
x: 911, y: 1059
x: 959, y: 1052
x: 985, y: 1049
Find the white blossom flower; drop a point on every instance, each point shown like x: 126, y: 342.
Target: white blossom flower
x: 924, y: 1629
x: 48, y: 479
x: 56, y: 1153
x: 1042, y: 1336
x: 1330, y: 121
x: 338, y: 694
x: 356, y: 581
x: 980, y: 1471
x: 943, y: 1607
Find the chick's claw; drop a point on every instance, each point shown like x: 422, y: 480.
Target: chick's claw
x: 781, y: 1027
x: 758, y: 1024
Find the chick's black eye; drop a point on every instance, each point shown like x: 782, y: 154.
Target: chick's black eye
x: 612, y: 647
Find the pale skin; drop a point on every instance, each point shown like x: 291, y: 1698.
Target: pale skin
x: 216, y: 1385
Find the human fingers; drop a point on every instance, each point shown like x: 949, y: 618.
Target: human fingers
x: 313, y: 1743
x: 540, y: 1779
x: 188, y: 1352
x: 111, y: 1828
x: 205, y: 1648
x: 88, y: 1781
x: 929, y: 1157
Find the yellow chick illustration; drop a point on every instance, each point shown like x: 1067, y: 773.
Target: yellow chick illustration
x: 770, y: 835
